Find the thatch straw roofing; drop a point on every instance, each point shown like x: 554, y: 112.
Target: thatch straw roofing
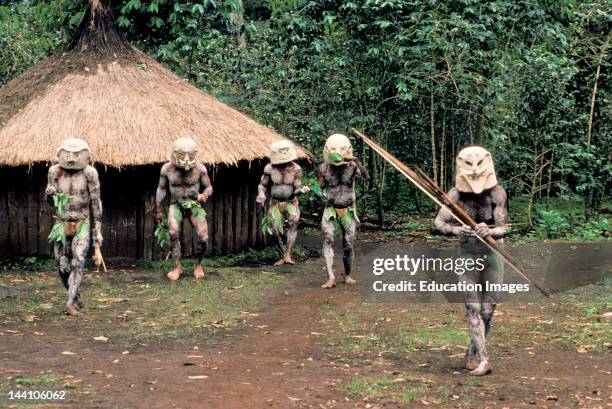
x: 125, y: 104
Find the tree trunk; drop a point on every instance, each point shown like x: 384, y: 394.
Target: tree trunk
x: 433, y: 135
x: 549, y: 184
x: 239, y: 22
x: 443, y: 153
x: 594, y: 94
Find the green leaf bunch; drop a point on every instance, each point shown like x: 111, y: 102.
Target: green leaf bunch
x: 335, y: 157
x: 276, y: 220
x: 58, y: 233
x: 266, y: 225
x: 330, y: 213
x: 196, y: 208
x: 82, y: 230
x: 162, y: 234
x: 60, y: 200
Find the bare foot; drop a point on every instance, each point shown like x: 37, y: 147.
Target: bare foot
x: 279, y: 262
x: 288, y: 260
x: 175, y: 274
x: 198, y: 271
x: 329, y: 283
x: 71, y: 309
x: 349, y: 280
x: 471, y: 361
x: 482, y: 369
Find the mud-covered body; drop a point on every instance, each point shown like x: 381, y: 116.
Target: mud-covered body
x: 81, y: 185
x: 489, y: 210
x: 338, y: 182
x: 184, y: 186
x: 281, y: 184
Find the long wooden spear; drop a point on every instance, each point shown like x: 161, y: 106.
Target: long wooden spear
x: 424, y: 183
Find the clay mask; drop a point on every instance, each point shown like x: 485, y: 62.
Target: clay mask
x: 74, y: 154
x: 184, y: 152
x: 475, y: 171
x: 337, y: 148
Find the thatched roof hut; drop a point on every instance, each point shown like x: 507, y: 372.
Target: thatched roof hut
x: 130, y: 109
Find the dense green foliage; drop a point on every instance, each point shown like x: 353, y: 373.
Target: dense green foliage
x: 528, y: 79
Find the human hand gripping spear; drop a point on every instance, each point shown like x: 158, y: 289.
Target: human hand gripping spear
x: 424, y: 183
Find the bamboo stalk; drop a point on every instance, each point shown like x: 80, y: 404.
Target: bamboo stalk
x: 431, y: 189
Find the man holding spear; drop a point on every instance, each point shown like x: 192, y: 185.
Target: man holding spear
x: 476, y: 191
x: 475, y: 202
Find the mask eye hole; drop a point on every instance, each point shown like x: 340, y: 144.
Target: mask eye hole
x: 480, y: 162
x: 468, y: 162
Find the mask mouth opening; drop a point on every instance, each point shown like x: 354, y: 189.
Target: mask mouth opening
x: 475, y: 175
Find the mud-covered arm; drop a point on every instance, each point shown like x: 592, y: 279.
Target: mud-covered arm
x: 95, y: 201
x: 161, y: 192
x: 51, y: 184
x: 321, y: 176
x: 298, y: 189
x: 264, y: 186
x: 208, y: 189
x: 500, y: 213
x: 361, y: 172
x: 443, y: 222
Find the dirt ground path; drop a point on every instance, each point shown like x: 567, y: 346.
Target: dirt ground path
x: 275, y: 360
x: 281, y: 357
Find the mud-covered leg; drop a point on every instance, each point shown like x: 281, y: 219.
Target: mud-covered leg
x: 278, y: 239
x: 471, y: 298
x: 477, y: 336
x: 348, y: 238
x: 493, y: 274
x: 471, y: 356
x: 328, y: 228
x: 292, y: 229
x: 486, y: 313
x: 63, y: 263
x: 201, y: 228
x: 80, y: 246
x: 174, y: 227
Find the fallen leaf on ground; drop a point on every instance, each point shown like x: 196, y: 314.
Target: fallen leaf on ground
x: 68, y: 353
x: 101, y: 338
x: 198, y: 377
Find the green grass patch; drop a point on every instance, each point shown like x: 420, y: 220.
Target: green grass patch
x: 34, y: 380
x: 371, y: 387
x: 142, y: 306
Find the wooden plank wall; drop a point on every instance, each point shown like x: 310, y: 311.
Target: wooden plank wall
x: 128, y: 197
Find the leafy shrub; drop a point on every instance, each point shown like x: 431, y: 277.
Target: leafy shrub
x: 594, y: 230
x: 551, y: 224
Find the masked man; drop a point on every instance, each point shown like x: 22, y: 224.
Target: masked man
x: 282, y: 184
x: 184, y: 177
x: 336, y: 177
x: 476, y: 191
x: 73, y: 186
